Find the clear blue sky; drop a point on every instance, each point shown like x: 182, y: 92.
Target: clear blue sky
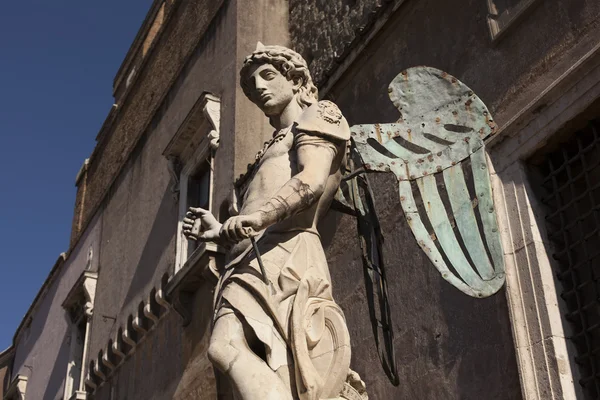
x: 57, y: 63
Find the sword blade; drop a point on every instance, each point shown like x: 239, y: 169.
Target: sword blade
x: 259, y: 259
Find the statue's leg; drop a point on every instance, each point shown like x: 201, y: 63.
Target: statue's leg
x: 286, y: 374
x: 250, y: 376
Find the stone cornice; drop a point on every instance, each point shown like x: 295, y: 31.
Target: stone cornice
x: 83, y: 291
x: 7, y: 355
x: 202, y: 123
x: 126, y: 339
x: 137, y: 42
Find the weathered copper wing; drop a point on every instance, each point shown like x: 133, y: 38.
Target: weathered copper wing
x: 436, y: 150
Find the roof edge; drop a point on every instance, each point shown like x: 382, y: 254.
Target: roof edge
x: 40, y: 294
x: 137, y: 42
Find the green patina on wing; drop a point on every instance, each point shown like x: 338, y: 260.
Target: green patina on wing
x: 443, y: 124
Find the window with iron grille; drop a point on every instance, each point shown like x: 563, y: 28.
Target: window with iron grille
x: 571, y: 193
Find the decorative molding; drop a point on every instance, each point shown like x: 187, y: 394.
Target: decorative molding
x: 199, y: 269
x: 199, y: 128
x: 149, y: 313
x: 98, y: 370
x: 17, y: 388
x: 546, y: 364
x: 89, y: 381
x: 174, y: 170
x: 117, y: 347
x: 194, y: 143
x: 571, y: 93
x: 212, y: 111
x: 82, y: 171
x: 139, y: 325
x: 106, y: 361
x: 79, y: 395
x: 161, y: 299
x: 128, y: 338
x: 83, y: 293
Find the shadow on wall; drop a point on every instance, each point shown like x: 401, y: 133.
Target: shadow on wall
x: 56, y: 378
x: 198, y: 379
x: 162, y: 232
x: 31, y: 335
x: 480, y: 343
x: 448, y: 345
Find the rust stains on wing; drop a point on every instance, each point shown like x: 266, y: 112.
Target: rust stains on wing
x: 378, y: 132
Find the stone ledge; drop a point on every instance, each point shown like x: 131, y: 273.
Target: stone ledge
x: 200, y: 268
x: 78, y: 395
x: 127, y: 338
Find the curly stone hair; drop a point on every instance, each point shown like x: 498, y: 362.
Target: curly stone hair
x: 289, y: 63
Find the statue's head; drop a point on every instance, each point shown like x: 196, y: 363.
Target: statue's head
x: 273, y: 76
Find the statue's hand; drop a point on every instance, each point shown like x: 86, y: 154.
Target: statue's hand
x: 242, y: 227
x: 200, y: 224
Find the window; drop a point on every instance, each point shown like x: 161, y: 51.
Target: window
x: 571, y: 193
x: 79, y: 306
x: 190, y: 155
x: 505, y: 13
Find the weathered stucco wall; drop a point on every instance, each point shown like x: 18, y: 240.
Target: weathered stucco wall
x: 42, y: 349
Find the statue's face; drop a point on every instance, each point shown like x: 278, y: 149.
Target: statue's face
x: 269, y: 89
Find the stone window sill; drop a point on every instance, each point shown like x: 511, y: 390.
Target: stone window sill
x: 79, y: 396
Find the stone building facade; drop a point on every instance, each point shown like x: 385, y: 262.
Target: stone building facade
x: 125, y: 312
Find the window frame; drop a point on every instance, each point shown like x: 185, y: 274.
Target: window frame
x: 192, y: 167
x: 500, y: 23
x: 193, y: 144
x: 79, y: 306
x: 545, y: 357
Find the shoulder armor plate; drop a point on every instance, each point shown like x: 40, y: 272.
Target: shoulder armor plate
x: 324, y: 119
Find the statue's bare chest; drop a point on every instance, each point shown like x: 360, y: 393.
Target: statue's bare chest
x: 276, y: 165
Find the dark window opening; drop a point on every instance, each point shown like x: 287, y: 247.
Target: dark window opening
x: 199, y: 194
x: 571, y: 192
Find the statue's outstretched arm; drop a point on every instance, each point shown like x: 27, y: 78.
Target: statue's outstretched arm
x: 316, y: 158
